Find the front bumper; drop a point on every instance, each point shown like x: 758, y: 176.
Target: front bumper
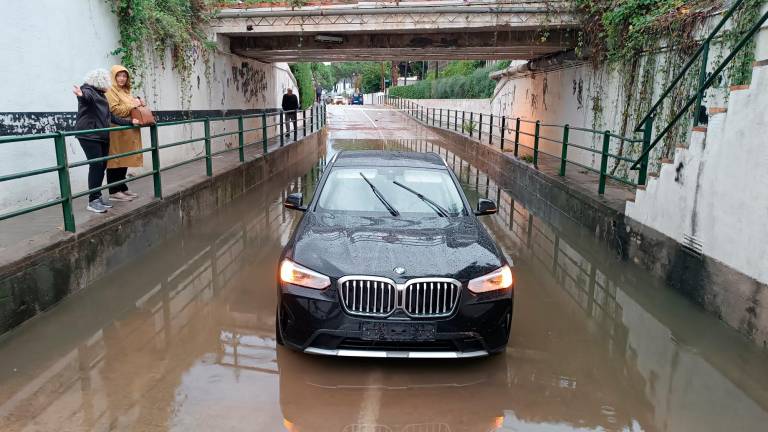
x: 314, y: 322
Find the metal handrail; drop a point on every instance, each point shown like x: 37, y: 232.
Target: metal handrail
x: 646, y: 124
x: 507, y: 124
x: 316, y: 117
x: 704, y: 45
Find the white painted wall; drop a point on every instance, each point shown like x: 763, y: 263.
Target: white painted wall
x: 468, y: 105
x: 717, y: 189
x: 49, y: 45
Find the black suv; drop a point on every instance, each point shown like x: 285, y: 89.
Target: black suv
x: 389, y: 261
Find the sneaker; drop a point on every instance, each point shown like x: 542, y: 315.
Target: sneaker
x: 131, y: 194
x: 106, y: 202
x: 120, y: 196
x: 96, y: 206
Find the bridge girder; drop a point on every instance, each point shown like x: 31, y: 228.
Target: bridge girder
x: 477, y: 45
x: 438, y: 33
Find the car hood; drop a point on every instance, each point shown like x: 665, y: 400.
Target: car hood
x: 339, y: 245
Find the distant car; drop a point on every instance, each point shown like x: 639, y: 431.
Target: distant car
x: 339, y: 100
x: 357, y: 99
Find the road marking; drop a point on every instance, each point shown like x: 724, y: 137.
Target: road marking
x: 369, y: 119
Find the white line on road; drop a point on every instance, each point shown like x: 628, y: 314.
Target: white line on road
x: 370, y: 120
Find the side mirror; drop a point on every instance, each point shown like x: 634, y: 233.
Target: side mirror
x: 485, y: 207
x: 295, y: 201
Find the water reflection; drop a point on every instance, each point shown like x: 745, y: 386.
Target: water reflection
x: 183, y: 340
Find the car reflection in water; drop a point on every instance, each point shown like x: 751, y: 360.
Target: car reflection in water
x: 332, y: 394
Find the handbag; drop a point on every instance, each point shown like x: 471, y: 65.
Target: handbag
x: 143, y: 115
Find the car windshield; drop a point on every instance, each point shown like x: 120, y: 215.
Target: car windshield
x: 347, y: 191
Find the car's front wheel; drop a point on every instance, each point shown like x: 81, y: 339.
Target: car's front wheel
x: 278, y: 332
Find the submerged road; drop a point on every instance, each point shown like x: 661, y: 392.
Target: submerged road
x: 182, y: 339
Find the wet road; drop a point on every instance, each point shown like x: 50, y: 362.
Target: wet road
x: 182, y: 339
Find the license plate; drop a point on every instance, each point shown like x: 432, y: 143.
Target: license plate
x: 386, y: 331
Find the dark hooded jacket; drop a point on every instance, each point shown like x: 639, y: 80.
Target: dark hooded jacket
x: 93, y: 113
x: 290, y: 102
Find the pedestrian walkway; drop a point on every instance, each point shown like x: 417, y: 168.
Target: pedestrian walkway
x: 22, y: 235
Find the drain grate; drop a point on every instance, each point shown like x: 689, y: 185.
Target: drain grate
x: 693, y: 245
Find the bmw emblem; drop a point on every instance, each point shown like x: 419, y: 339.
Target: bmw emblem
x: 399, y: 270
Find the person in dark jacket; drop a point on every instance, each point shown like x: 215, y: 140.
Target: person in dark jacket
x: 290, y: 105
x: 93, y: 113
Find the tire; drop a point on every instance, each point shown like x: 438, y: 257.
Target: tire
x: 278, y: 333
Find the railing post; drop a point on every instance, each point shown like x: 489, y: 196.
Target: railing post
x: 208, y: 159
x: 241, y: 138
x: 604, y: 161
x: 456, y: 120
x: 264, y: 138
x: 155, y: 153
x: 536, y: 144
x: 65, y: 189
x: 304, y: 120
x: 480, y: 129
x: 472, y: 122
x: 311, y: 120
x: 490, y: 131
x: 647, y: 131
x: 702, y: 80
x: 564, y: 154
x: 282, y: 129
x: 503, y: 130
x: 440, y: 123
x: 517, y: 135
x: 463, y: 118
x: 434, y: 117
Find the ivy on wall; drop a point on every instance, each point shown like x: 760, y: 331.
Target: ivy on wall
x: 303, y: 74
x: 162, y: 26
x: 646, y: 43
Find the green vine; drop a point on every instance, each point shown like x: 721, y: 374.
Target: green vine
x: 178, y: 26
x: 740, y: 69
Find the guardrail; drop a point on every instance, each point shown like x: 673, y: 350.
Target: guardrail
x: 272, y: 126
x: 505, y: 132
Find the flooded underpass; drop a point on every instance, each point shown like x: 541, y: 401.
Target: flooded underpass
x: 183, y: 338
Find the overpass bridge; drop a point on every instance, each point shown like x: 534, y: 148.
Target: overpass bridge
x: 416, y: 30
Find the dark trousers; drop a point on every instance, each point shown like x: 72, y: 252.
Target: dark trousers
x: 95, y: 149
x: 117, y: 174
x: 290, y: 117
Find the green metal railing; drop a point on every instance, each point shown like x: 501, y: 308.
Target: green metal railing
x: 312, y: 119
x: 705, y: 80
x: 497, y: 130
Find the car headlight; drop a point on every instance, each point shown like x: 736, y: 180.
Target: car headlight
x: 292, y: 273
x: 498, y: 279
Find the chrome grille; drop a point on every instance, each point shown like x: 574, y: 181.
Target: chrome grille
x: 418, y: 298
x: 430, y: 297
x: 363, y: 295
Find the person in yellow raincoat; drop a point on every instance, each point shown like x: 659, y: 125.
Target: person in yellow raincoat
x: 121, y: 102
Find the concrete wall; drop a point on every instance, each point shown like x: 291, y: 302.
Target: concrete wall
x: 712, y: 197
x: 468, y: 105
x: 49, y: 45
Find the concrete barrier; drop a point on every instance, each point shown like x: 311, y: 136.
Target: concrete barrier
x: 38, y: 281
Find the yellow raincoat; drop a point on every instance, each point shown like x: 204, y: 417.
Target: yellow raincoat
x: 120, y: 103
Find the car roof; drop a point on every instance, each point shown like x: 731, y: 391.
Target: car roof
x: 388, y: 158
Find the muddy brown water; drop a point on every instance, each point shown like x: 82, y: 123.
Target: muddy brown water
x: 182, y: 339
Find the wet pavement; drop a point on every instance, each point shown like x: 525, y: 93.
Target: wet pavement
x: 182, y: 339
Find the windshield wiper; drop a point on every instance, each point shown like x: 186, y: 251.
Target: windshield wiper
x: 435, y: 206
x: 380, y: 196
